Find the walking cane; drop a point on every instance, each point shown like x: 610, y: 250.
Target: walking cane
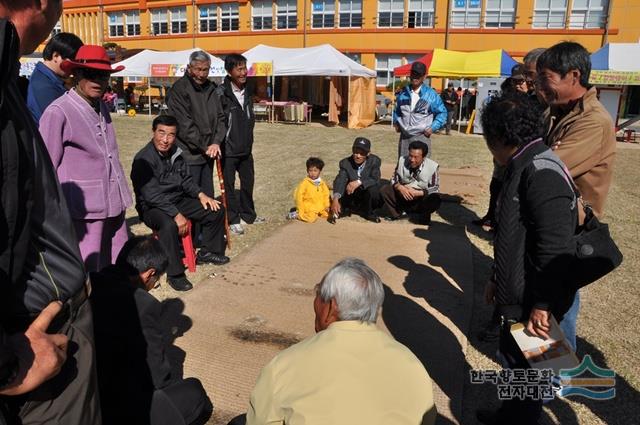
x: 224, y: 201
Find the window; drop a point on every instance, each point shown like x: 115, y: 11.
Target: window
x: 116, y: 24
x: 262, y: 14
x: 354, y: 57
x: 208, y: 18
x: 133, y: 22
x: 229, y: 17
x: 421, y: 13
x: 135, y: 80
x: 500, y: 14
x: 178, y: 20
x: 465, y: 14
x: 390, y: 13
x: 159, y: 21
x: 588, y: 14
x: 287, y: 14
x: 384, y: 68
x: 350, y: 13
x: 322, y: 15
x: 56, y: 29
x: 549, y: 13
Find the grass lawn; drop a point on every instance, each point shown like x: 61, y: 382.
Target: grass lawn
x: 610, y: 308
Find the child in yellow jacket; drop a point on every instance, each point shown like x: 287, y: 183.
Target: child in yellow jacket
x: 312, y: 194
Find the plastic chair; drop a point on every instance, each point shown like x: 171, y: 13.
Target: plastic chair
x: 189, y: 258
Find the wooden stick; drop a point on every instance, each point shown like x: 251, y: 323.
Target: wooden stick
x: 224, y: 201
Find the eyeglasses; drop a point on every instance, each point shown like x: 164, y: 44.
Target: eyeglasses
x: 520, y: 82
x: 94, y: 74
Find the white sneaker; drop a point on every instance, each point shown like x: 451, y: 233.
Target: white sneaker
x: 237, y: 229
x: 259, y: 220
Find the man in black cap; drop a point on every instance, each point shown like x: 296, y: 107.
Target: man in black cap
x: 419, y: 111
x: 357, y: 185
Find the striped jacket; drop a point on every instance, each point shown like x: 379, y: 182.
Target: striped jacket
x: 428, y: 112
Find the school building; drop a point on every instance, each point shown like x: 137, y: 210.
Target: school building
x: 380, y: 34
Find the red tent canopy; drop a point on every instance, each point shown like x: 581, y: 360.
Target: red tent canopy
x: 405, y: 70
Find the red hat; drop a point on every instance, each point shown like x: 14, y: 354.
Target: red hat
x: 92, y: 57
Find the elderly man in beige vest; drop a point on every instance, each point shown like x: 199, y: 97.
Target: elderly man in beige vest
x: 414, y: 186
x: 350, y: 372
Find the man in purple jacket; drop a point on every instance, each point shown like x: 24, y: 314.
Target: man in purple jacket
x: 81, y: 141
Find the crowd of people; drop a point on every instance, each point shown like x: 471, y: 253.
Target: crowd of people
x: 67, y: 258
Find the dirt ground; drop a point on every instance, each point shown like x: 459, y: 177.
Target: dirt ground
x: 223, y: 316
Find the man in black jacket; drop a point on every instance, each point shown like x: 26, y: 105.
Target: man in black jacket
x: 137, y: 382
x: 43, y: 296
x: 202, y: 123
x: 357, y: 185
x: 166, y: 196
x: 235, y: 96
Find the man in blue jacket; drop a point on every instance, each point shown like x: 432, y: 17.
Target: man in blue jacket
x: 47, y: 81
x: 419, y: 111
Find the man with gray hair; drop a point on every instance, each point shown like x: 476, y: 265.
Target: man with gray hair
x: 193, y: 102
x: 350, y: 372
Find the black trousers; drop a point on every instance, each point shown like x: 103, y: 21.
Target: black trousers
x: 184, y: 402
x: 212, y: 224
x: 450, y: 119
x: 397, y: 204
x: 494, y: 190
x: 240, y: 207
x: 202, y: 175
x: 363, y: 201
x: 516, y: 411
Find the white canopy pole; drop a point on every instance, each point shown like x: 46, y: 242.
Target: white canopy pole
x: 149, y: 88
x: 460, y: 101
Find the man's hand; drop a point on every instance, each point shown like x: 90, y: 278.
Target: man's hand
x: 181, y: 222
x: 404, y: 191
x: 40, y: 355
x: 335, y: 207
x: 208, y: 202
x: 352, y: 186
x: 397, y: 127
x: 213, y: 151
x: 428, y: 132
x: 538, y: 323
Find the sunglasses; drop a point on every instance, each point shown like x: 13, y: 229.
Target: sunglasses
x: 94, y: 74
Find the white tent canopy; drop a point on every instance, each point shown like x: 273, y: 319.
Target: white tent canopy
x: 323, y: 60
x: 139, y: 65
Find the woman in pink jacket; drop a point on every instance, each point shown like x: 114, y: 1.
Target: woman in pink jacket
x: 81, y: 141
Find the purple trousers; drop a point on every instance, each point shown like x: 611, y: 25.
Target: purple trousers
x: 101, y: 241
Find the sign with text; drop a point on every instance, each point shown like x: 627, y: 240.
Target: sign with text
x: 260, y: 69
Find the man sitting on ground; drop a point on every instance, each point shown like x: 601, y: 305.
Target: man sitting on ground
x: 350, y: 372
x: 414, y: 186
x: 166, y: 196
x: 357, y: 185
x: 135, y: 378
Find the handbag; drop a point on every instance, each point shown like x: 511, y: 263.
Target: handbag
x: 596, y: 253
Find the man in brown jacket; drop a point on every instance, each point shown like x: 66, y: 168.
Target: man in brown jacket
x: 579, y: 130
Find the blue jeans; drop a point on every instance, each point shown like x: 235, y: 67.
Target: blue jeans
x: 568, y: 324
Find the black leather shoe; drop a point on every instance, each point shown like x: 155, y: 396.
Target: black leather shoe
x: 372, y: 218
x: 206, y: 257
x: 179, y: 283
